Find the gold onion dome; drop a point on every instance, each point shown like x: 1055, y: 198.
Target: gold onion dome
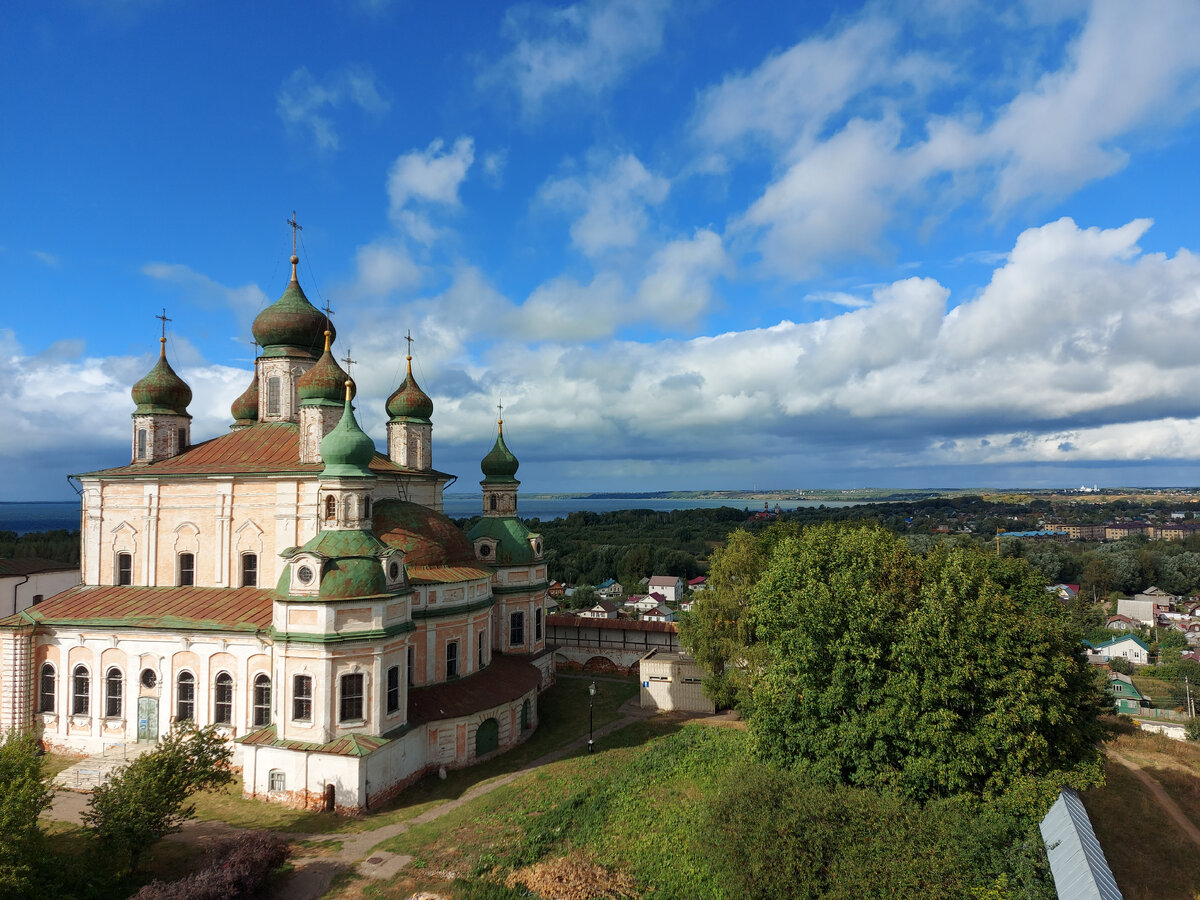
x: 499, y: 465
x: 161, y: 391
x: 347, y: 449
x: 291, y: 326
x: 409, y: 401
x: 324, y: 383
x: 245, y: 407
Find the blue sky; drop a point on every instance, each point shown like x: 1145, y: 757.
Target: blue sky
x: 691, y: 245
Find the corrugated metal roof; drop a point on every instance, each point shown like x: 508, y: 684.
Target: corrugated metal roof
x: 445, y: 574
x: 1076, y: 859
x: 347, y: 745
x: 506, y: 679
x: 264, y: 448
x: 202, y: 608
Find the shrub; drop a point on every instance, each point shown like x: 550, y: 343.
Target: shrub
x: 236, y: 868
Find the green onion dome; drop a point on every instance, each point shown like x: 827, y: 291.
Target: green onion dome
x: 347, y: 449
x: 409, y: 401
x: 499, y: 465
x: 291, y: 326
x: 162, y: 391
x: 325, y: 382
x: 245, y: 407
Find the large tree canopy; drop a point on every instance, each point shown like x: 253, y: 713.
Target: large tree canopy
x: 937, y: 675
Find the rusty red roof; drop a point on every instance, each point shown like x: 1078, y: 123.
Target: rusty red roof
x: 265, y: 448
x: 570, y: 620
x: 506, y: 679
x: 445, y: 574
x: 182, y: 608
x: 347, y: 745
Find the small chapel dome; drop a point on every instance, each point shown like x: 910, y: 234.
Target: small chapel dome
x: 499, y: 465
x: 245, y: 407
x: 161, y: 391
x: 409, y: 401
x: 326, y: 380
x: 347, y: 449
x: 291, y: 325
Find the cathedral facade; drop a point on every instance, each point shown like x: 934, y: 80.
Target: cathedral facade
x: 292, y: 586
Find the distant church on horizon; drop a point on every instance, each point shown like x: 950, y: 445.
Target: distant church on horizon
x: 291, y: 585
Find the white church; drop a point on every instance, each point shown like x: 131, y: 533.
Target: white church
x: 291, y: 585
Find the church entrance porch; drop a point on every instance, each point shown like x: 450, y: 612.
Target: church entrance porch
x: 97, y: 769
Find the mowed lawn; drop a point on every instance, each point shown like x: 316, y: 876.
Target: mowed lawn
x: 563, y: 718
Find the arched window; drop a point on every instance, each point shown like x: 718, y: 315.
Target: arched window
x: 124, y: 568
x: 185, y: 697
x: 516, y: 629
x: 187, y: 569
x: 81, y: 691
x: 47, y: 688
x: 141, y: 443
x: 114, y: 689
x: 492, y: 502
x: 537, y: 624
x: 302, y: 698
x: 262, y: 700
x: 223, y: 700
x: 452, y: 659
x: 487, y: 737
x: 249, y: 570
x: 330, y: 508
x: 350, y: 708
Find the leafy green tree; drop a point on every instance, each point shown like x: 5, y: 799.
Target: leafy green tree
x: 24, y: 794
x: 956, y: 673
x: 719, y: 632
x: 147, y: 799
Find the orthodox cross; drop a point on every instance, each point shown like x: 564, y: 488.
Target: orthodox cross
x: 164, y: 320
x: 500, y: 406
x: 296, y: 226
x: 328, y: 312
x: 348, y: 361
x: 408, y: 337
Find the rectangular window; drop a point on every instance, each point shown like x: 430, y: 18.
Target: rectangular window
x: 273, y: 395
x: 516, y: 629
x: 412, y: 664
x: 302, y: 698
x: 277, y: 781
x: 452, y: 659
x: 249, y: 570
x: 351, y: 705
x: 393, y: 689
x: 124, y: 568
x: 141, y: 443
x: 187, y: 569
x: 38, y: 598
x: 480, y: 646
x: 537, y: 624
x: 182, y: 439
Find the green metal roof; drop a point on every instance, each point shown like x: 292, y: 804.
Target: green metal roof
x: 511, y: 537
x: 348, y: 745
x: 499, y: 466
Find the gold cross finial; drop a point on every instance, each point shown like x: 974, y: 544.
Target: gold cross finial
x: 163, y: 318
x: 500, y: 406
x: 296, y: 226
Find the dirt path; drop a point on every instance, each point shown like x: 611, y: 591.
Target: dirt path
x: 1164, y: 800
x: 312, y: 877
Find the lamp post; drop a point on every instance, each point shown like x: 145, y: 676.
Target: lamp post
x: 591, y: 716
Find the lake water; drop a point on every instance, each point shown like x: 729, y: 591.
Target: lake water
x: 25, y: 517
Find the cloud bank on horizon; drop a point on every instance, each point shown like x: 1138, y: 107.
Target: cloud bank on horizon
x: 688, y: 249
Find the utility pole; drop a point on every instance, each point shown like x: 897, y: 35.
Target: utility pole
x: 1187, y: 686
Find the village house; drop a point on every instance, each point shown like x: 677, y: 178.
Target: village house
x: 669, y: 586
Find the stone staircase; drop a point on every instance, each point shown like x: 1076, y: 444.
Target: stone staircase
x: 92, y: 771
